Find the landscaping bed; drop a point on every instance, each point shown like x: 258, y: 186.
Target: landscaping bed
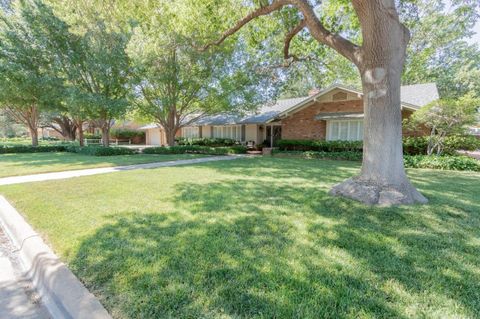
x: 261, y: 238
x: 445, y: 162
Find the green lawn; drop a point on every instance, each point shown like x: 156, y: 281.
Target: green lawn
x: 260, y: 238
x: 33, y: 163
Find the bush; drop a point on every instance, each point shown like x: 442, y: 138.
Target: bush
x: 320, y: 145
x: 411, y: 145
x: 447, y: 162
x: 461, y: 142
x: 457, y: 163
x: 419, y: 145
x: 347, y: 155
x: 100, y: 150
x: 126, y: 134
x: 195, y: 149
x: 213, y: 142
x: 32, y: 149
x: 91, y: 136
x: 415, y: 145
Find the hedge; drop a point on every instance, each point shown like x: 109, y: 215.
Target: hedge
x: 457, y: 163
x: 32, y: 149
x: 347, y: 155
x: 213, y: 142
x: 126, y: 133
x: 446, y: 162
x: 100, y: 150
x: 195, y: 149
x: 419, y: 145
x: 320, y: 145
x: 411, y: 145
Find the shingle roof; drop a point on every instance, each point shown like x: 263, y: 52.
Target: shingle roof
x: 262, y: 115
x: 415, y: 96
x: 419, y: 94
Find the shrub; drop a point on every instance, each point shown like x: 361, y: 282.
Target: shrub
x: 415, y: 145
x: 91, y: 136
x: 458, y: 163
x: 31, y: 149
x: 100, y: 150
x: 346, y: 155
x: 320, y: 145
x: 461, y: 142
x: 126, y: 133
x: 419, y: 145
x: 196, y: 149
x: 213, y: 142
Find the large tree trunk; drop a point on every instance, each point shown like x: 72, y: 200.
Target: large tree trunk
x: 81, y: 139
x: 106, y: 136
x: 67, y: 127
x: 34, y: 136
x: 382, y: 179
x: 170, y: 135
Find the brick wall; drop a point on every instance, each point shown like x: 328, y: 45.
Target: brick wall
x: 302, y: 125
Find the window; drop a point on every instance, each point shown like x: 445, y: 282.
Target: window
x: 345, y: 130
x: 190, y: 132
x: 233, y: 132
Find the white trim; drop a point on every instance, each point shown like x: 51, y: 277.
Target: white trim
x: 191, y: 132
x: 354, y: 133
x: 233, y: 132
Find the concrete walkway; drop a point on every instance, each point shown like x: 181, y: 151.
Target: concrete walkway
x: 17, y: 299
x: 104, y: 170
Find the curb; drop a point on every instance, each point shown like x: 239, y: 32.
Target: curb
x: 60, y: 290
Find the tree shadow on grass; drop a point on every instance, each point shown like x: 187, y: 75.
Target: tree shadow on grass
x: 151, y: 267
x: 250, y: 248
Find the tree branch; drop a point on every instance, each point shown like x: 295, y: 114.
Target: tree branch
x: 288, y: 39
x: 324, y: 36
x: 265, y: 10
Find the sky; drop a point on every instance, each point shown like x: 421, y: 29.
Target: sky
x: 476, y: 38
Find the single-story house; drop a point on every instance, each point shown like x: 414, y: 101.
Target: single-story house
x: 335, y: 113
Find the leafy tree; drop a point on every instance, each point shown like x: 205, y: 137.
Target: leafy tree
x: 8, y: 127
x: 438, y: 51
x: 379, y: 55
x: 175, y: 84
x: 445, y: 117
x: 93, y: 67
x: 26, y: 86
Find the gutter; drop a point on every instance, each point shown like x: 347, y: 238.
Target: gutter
x: 60, y: 290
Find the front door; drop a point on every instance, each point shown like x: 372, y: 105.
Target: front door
x: 274, y: 133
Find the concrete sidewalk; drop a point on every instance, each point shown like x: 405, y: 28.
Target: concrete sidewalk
x: 104, y: 170
x: 17, y: 298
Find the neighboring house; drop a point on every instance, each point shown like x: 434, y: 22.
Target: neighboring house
x: 335, y: 113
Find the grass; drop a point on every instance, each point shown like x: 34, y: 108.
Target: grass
x: 34, y: 163
x: 260, y: 238
x: 26, y: 141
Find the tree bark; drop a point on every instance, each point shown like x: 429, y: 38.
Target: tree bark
x: 67, y: 127
x: 382, y: 179
x: 34, y: 136
x: 106, y: 136
x: 81, y: 139
x: 170, y: 135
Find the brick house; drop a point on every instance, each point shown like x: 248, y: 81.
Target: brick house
x: 335, y: 113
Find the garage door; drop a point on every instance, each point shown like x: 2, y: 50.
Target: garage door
x: 154, y: 137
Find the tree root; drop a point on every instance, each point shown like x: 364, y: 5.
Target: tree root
x: 372, y: 193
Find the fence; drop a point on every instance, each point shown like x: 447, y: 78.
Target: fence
x: 98, y: 141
